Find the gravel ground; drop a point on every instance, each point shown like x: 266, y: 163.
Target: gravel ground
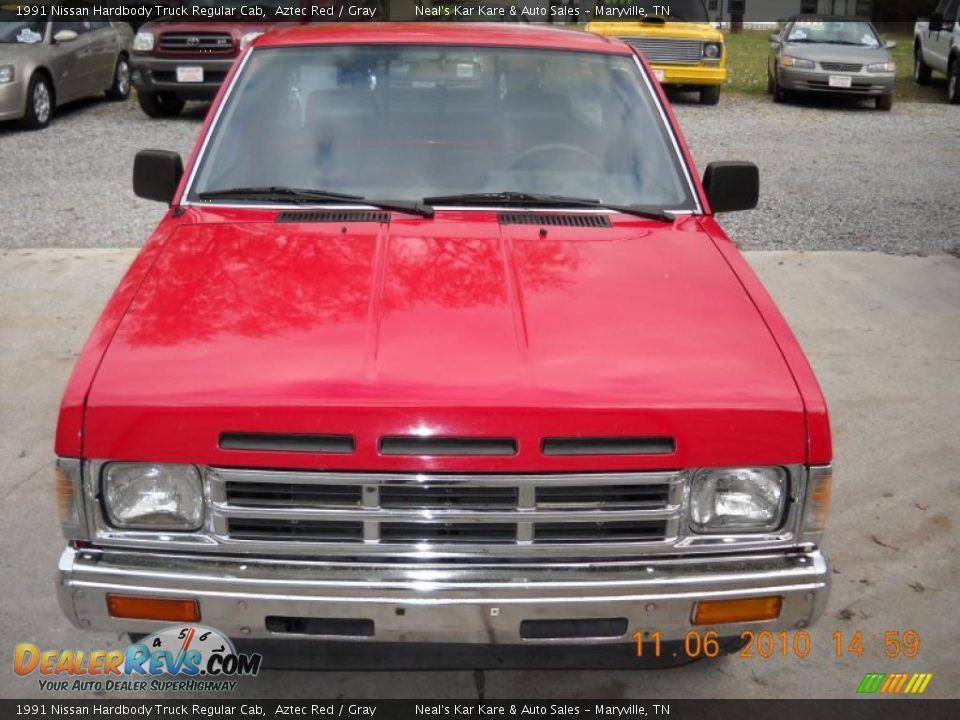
x: 836, y: 175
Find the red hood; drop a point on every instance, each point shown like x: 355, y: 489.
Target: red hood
x: 457, y: 326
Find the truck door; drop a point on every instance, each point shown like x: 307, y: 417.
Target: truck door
x: 939, y: 42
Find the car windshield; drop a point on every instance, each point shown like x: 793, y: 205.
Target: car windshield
x: 839, y: 32
x: 19, y: 32
x: 408, y: 122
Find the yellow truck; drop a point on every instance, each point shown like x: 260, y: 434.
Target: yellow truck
x: 685, y: 50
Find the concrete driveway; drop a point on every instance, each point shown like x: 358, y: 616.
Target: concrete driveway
x: 883, y: 333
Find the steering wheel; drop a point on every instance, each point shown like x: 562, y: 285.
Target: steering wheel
x: 576, y: 154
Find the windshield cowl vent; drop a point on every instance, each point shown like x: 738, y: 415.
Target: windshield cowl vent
x: 332, y: 216
x: 563, y: 220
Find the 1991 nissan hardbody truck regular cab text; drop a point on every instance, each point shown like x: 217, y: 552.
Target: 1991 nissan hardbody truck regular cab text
x: 439, y: 342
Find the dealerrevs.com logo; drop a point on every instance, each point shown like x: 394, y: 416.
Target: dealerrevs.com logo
x: 188, y: 658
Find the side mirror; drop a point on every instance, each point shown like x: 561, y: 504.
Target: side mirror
x: 775, y: 38
x: 156, y: 175
x: 936, y: 22
x: 65, y: 36
x: 890, y: 44
x: 732, y: 186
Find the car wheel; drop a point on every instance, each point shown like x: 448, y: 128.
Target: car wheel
x: 709, y: 94
x: 120, y: 89
x: 779, y: 94
x: 885, y: 102
x: 921, y: 71
x: 953, y: 84
x: 769, y: 83
x: 160, y: 105
x: 39, y: 103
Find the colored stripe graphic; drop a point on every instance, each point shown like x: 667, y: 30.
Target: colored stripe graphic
x: 894, y: 683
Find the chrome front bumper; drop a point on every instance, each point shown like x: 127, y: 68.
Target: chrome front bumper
x: 446, y: 603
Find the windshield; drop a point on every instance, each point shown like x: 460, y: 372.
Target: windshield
x: 408, y: 122
x: 839, y: 32
x: 20, y: 32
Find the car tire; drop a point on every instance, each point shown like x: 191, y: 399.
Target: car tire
x: 160, y: 104
x: 779, y: 94
x: 40, y: 103
x: 769, y: 83
x: 120, y: 87
x: 709, y: 94
x: 921, y: 71
x: 953, y: 82
x: 885, y: 102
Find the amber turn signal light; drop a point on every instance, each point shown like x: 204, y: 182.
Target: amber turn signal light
x: 715, y: 612
x: 147, y: 608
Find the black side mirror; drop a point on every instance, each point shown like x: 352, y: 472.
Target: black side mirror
x: 936, y: 22
x: 732, y: 186
x: 156, y: 175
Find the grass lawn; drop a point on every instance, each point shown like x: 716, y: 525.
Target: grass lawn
x: 747, y: 67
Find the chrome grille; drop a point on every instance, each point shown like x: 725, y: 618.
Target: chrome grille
x: 841, y: 67
x: 669, y: 51
x: 200, y: 42
x: 388, y: 513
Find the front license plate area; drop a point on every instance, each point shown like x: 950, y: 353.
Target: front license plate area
x: 189, y: 74
x: 840, y: 81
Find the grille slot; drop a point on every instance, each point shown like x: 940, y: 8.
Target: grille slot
x: 605, y: 496
x: 344, y: 627
x: 447, y: 446
x: 608, y: 446
x: 201, y: 42
x: 561, y: 629
x: 305, y: 530
x: 666, y: 50
x: 561, y: 219
x: 599, y: 532
x: 292, y: 495
x: 287, y: 443
x: 466, y: 533
x: 332, y: 216
x: 842, y: 67
x: 429, y: 497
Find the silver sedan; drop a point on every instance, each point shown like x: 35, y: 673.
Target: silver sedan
x: 840, y: 56
x: 44, y: 64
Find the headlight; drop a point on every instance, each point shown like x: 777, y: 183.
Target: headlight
x: 153, y: 496
x: 799, y: 63
x: 887, y: 67
x: 7, y: 74
x: 712, y: 51
x: 248, y: 38
x: 143, y: 41
x: 737, y: 499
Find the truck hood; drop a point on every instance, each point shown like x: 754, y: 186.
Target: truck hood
x: 457, y: 326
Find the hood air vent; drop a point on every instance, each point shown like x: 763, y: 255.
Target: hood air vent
x: 270, y: 442
x: 332, y: 216
x: 563, y: 220
x: 447, y: 446
x: 609, y: 446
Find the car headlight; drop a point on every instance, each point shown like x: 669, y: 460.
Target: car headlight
x: 887, y: 67
x: 7, y: 74
x: 153, y: 496
x: 795, y: 62
x: 737, y: 499
x: 248, y: 38
x: 712, y: 51
x: 143, y: 41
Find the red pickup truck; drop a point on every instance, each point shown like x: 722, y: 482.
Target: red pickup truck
x: 439, y: 341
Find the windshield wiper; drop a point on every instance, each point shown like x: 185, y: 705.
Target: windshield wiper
x: 523, y: 199
x: 307, y: 195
